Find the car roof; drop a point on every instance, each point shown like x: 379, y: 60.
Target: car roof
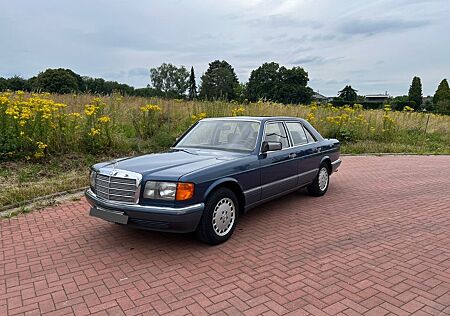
x: 254, y: 118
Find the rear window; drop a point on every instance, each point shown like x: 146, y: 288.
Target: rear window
x: 297, y: 132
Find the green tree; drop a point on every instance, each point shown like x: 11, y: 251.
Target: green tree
x: 441, y: 98
x: 3, y: 84
x: 264, y: 82
x: 219, y: 81
x: 279, y: 84
x: 169, y: 80
x: 348, y: 94
x: 101, y: 86
x: 293, y: 87
x: 442, y: 92
x: 442, y: 107
x: 58, y: 81
x: 192, y: 85
x: 147, y: 92
x: 240, y: 92
x: 17, y: 83
x: 399, y: 102
x: 415, y: 93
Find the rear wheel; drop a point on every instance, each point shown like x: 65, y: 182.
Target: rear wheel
x: 320, y: 184
x: 219, y: 217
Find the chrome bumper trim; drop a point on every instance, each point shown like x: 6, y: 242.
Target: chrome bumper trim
x: 94, y: 200
x: 335, y: 165
x: 338, y: 161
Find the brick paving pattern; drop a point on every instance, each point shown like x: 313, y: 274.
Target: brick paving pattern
x: 377, y: 244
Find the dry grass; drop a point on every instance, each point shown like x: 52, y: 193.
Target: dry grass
x: 363, y: 131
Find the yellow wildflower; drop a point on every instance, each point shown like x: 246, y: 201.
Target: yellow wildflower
x: 104, y: 119
x: 90, y: 109
x: 150, y: 107
x: 94, y: 132
x: 198, y: 117
x: 75, y: 114
x: 408, y: 109
x: 237, y: 111
x: 41, y: 145
x: 310, y: 117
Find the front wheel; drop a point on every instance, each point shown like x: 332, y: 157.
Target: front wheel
x: 219, y: 217
x: 320, y: 184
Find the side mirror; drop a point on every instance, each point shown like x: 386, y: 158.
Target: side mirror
x: 270, y: 146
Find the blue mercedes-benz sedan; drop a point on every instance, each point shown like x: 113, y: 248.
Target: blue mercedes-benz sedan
x: 216, y: 171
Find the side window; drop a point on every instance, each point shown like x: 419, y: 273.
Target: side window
x: 309, y: 136
x: 297, y: 133
x: 275, y: 133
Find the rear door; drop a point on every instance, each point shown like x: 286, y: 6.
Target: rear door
x: 278, y: 168
x: 305, y: 150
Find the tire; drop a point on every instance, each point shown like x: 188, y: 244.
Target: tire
x: 321, y: 183
x: 219, y: 217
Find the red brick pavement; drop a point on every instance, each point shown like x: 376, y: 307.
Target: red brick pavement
x: 378, y: 243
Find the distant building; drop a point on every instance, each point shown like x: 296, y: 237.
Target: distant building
x: 427, y: 99
x: 377, y: 98
x: 320, y: 97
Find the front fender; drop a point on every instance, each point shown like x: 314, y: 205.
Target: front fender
x: 217, y: 183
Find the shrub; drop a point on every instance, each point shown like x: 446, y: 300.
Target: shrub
x: 34, y: 125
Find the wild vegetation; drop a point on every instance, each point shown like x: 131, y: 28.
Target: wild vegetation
x: 268, y: 82
x: 47, y: 141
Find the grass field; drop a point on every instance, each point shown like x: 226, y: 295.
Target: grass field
x: 47, y: 141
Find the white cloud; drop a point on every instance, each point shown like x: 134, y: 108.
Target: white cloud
x: 375, y: 46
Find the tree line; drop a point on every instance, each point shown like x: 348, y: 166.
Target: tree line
x: 439, y: 103
x: 64, y: 81
x: 268, y: 82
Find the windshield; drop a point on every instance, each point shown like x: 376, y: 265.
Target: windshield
x: 231, y: 135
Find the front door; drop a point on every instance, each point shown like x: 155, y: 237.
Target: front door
x: 278, y: 168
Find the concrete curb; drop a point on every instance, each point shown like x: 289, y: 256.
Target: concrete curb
x: 393, y: 154
x: 42, y: 201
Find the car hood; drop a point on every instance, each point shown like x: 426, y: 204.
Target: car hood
x: 171, y: 165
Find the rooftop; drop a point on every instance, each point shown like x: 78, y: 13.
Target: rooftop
x: 378, y: 95
x: 252, y: 118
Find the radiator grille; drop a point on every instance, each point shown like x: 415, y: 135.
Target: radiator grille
x: 116, y: 188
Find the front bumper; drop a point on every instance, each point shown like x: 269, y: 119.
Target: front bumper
x: 169, y: 219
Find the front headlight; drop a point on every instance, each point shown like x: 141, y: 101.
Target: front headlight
x: 168, y: 191
x: 92, y: 177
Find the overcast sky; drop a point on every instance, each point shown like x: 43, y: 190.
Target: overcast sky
x: 375, y: 46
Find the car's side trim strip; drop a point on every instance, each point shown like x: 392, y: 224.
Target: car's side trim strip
x: 277, y: 182
x: 250, y: 191
x: 315, y: 170
x: 252, y: 205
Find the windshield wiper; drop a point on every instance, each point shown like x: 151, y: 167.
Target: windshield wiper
x: 185, y: 150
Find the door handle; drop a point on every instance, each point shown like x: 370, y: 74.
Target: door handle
x: 292, y: 155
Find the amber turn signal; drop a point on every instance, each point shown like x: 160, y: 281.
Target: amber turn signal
x: 185, y: 191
